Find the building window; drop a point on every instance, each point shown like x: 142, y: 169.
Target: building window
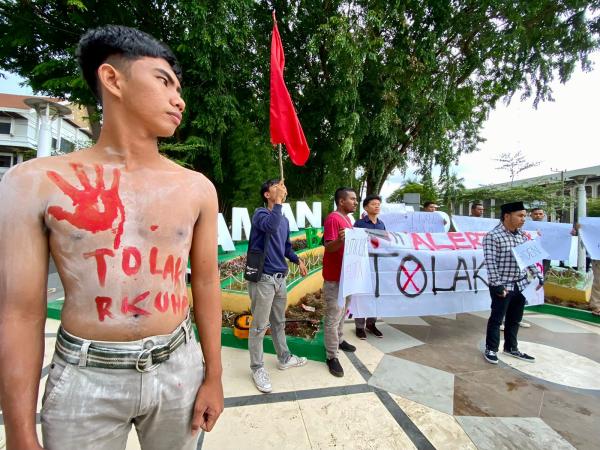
x: 6, y: 160
x: 66, y: 146
x: 4, y: 127
x: 53, y: 143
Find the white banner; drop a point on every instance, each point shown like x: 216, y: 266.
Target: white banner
x: 468, y: 223
x: 554, y: 237
x: 413, y: 274
x: 413, y: 222
x: 529, y: 253
x: 590, y: 235
x: 356, y: 272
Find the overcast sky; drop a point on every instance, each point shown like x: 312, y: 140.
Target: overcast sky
x: 562, y: 135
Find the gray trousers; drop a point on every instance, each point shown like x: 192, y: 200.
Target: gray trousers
x: 87, y: 408
x: 334, y: 318
x: 268, y: 300
x: 595, y: 298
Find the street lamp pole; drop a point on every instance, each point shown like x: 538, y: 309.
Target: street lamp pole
x: 581, y: 212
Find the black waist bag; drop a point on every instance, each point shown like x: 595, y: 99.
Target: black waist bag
x: 255, y: 261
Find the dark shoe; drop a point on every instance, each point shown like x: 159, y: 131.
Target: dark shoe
x: 360, y: 333
x: 335, y: 368
x: 373, y: 329
x: 490, y: 356
x: 347, y: 347
x: 519, y: 355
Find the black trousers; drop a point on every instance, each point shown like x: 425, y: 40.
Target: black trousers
x: 360, y: 323
x: 509, y: 308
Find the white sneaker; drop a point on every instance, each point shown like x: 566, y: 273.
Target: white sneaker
x: 293, y: 361
x: 524, y: 325
x: 262, y: 380
x: 502, y: 327
x: 2, y: 441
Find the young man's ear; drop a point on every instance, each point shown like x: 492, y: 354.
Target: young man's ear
x: 109, y: 79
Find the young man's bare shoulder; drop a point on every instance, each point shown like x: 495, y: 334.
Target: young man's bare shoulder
x: 198, y: 183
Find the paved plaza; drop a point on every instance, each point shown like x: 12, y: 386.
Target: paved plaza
x: 424, y: 385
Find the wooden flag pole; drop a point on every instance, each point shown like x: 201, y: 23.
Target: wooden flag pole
x: 280, y: 162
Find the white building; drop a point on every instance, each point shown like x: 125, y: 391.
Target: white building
x: 19, y: 130
x: 592, y: 189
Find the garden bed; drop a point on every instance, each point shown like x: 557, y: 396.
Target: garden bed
x: 302, y: 322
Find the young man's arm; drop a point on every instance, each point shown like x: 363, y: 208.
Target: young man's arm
x: 268, y: 221
x: 23, y: 279
x: 207, y: 312
x: 333, y: 235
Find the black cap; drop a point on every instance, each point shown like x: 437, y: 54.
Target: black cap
x: 512, y: 207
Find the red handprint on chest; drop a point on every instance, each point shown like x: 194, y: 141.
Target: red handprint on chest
x: 96, y: 208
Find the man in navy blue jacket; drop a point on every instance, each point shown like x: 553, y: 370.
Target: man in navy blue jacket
x: 371, y: 221
x: 268, y: 297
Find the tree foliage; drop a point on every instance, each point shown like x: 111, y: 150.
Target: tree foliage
x: 545, y: 196
x: 377, y: 84
x: 425, y: 188
x: 593, y: 207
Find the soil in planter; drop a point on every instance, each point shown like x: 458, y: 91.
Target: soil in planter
x: 308, y: 322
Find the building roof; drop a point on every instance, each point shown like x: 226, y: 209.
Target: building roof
x: 593, y: 171
x: 16, y: 101
x: 76, y: 119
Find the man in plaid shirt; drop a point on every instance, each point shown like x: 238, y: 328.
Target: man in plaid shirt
x: 506, y: 282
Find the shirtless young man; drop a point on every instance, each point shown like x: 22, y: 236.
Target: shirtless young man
x: 120, y: 221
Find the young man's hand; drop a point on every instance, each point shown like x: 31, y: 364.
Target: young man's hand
x: 280, y: 192
x: 341, y: 234
x: 208, y: 406
x: 303, y: 269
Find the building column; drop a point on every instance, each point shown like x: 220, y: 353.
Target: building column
x: 493, y: 208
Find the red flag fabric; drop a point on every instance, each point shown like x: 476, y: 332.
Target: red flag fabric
x: 285, y: 126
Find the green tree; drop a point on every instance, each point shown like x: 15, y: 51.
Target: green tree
x: 425, y: 188
x: 543, y: 195
x: 376, y: 84
x: 421, y: 76
x: 593, y: 207
x: 452, y: 187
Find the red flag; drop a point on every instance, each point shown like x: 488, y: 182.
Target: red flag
x: 285, y: 126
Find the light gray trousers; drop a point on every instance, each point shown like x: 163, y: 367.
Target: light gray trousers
x: 334, y: 318
x: 268, y: 299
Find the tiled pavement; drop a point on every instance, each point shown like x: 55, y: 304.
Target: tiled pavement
x: 424, y: 385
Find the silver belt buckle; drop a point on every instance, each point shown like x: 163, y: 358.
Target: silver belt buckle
x: 278, y: 276
x: 149, y: 352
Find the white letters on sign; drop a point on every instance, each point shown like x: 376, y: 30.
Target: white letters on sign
x: 224, y: 238
x: 240, y: 220
x: 303, y: 213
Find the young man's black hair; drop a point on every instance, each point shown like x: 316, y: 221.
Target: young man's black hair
x: 266, y: 186
x: 341, y: 193
x: 476, y: 204
x: 426, y: 204
x: 370, y: 198
x: 97, y: 45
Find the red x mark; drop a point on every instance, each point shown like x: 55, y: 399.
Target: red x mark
x: 410, y: 276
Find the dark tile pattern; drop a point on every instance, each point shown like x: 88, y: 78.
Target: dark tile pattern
x: 484, y: 390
